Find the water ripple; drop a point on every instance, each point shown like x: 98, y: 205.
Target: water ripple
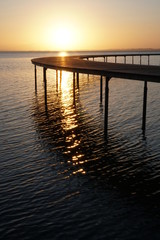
x: 59, y: 176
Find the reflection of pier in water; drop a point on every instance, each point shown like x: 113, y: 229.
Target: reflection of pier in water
x: 78, y: 65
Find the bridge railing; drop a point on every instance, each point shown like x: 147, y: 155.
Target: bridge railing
x: 128, y: 58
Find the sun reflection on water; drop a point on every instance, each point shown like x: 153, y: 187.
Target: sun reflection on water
x: 62, y: 54
x: 79, y: 171
x: 69, y: 121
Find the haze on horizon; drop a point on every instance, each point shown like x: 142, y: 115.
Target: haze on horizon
x: 33, y: 25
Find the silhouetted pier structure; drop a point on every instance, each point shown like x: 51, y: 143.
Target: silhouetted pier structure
x: 105, y: 69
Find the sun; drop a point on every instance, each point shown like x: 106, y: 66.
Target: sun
x: 63, y: 38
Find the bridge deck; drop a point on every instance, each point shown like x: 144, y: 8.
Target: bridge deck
x: 117, y: 70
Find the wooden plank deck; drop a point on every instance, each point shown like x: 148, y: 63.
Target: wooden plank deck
x: 117, y: 70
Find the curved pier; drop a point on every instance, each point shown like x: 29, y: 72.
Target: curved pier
x: 80, y: 64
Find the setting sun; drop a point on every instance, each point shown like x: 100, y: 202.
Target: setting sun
x: 60, y: 37
x: 63, y: 37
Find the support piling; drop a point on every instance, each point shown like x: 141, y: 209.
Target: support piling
x: 60, y: 77
x: 74, y: 88
x: 35, y: 72
x: 101, y: 88
x: 144, y: 108
x: 45, y: 85
x: 57, y: 80
x: 106, y: 107
x: 77, y: 80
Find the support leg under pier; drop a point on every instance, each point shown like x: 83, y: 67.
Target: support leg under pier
x: 45, y: 85
x: 74, y: 89
x: 57, y: 80
x: 60, y: 78
x: 77, y: 80
x: 106, y: 107
x: 144, y: 108
x: 101, y: 89
x: 35, y: 71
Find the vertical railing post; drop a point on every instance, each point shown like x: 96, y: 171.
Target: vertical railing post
x: 125, y: 59
x: 106, y: 107
x: 148, y: 59
x: 35, y: 72
x: 144, y: 108
x: 101, y: 88
x: 132, y: 59
x: 140, y: 59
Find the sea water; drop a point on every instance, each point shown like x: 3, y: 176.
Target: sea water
x: 59, y: 177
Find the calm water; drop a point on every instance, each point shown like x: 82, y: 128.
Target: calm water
x: 59, y: 179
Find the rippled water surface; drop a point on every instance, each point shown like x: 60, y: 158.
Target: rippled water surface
x: 59, y: 178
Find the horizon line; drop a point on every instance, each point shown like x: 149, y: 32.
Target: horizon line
x: 105, y: 50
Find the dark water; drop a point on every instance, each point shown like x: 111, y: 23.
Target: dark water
x: 59, y: 178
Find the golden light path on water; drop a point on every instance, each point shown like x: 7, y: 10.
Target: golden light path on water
x: 69, y: 120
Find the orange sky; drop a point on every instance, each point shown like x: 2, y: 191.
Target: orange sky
x: 79, y: 25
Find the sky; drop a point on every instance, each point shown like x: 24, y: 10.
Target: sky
x: 63, y: 25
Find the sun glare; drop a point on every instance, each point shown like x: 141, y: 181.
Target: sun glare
x: 62, y: 54
x: 63, y: 38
